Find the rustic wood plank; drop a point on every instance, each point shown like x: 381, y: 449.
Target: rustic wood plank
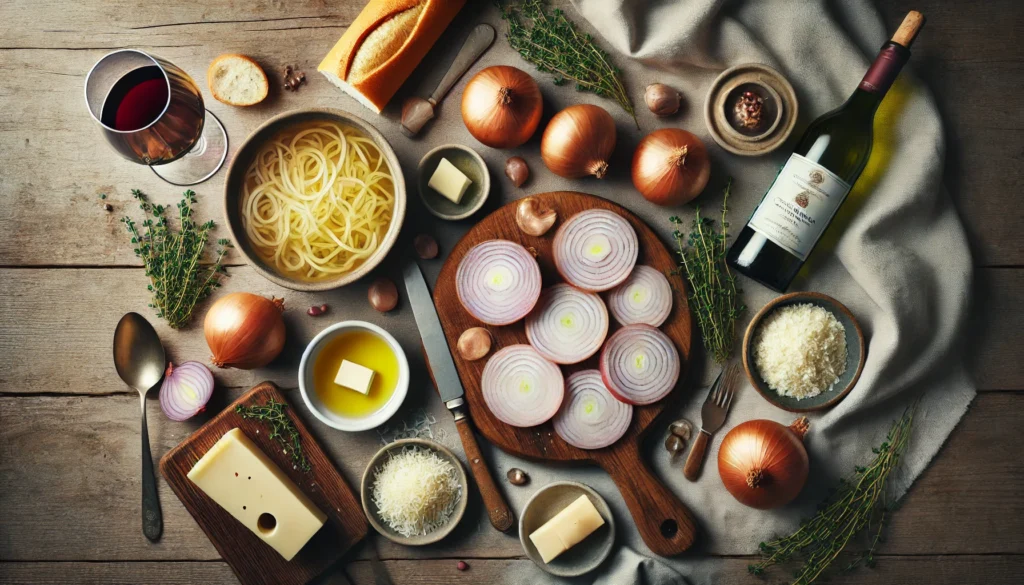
x: 917, y: 570
x: 69, y: 467
x: 27, y: 339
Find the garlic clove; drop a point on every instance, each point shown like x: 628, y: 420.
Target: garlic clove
x: 474, y: 343
x: 534, y: 219
x: 662, y: 100
x: 517, y: 171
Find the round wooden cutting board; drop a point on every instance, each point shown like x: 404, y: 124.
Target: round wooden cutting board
x: 665, y: 524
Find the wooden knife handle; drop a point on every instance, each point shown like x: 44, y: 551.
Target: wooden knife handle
x: 497, y: 508
x: 695, y: 461
x: 664, y: 522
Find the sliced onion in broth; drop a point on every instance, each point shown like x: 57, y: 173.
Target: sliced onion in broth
x: 595, y: 250
x: 645, y: 297
x: 590, y: 417
x: 498, y: 282
x: 520, y: 387
x: 568, y: 325
x: 640, y: 364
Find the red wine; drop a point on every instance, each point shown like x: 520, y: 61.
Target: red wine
x: 806, y: 194
x: 136, y: 100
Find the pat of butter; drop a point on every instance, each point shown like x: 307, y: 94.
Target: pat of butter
x: 246, y: 483
x: 576, y: 522
x: 449, y: 181
x: 354, y: 376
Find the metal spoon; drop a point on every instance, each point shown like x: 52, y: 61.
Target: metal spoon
x: 416, y: 111
x: 139, y: 359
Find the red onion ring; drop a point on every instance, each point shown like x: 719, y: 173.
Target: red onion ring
x: 185, y: 390
x: 595, y: 250
x: 498, y: 282
x: 591, y: 418
x: 639, y: 364
x: 520, y: 387
x: 568, y: 325
x: 645, y: 297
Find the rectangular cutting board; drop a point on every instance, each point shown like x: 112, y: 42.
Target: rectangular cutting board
x: 665, y: 524
x: 253, y: 561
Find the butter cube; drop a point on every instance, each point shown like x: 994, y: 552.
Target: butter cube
x: 354, y: 376
x: 449, y: 181
x: 570, y: 526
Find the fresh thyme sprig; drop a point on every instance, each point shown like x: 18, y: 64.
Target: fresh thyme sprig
x: 281, y: 427
x: 713, y: 288
x: 857, y: 507
x: 178, y: 279
x: 552, y: 43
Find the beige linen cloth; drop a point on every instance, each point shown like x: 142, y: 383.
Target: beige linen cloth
x: 896, y: 256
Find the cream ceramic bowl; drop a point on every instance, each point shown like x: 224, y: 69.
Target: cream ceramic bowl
x: 312, y: 399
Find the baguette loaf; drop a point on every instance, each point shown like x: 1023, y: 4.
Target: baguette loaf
x: 384, y: 44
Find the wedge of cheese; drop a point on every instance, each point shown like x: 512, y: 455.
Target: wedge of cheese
x: 240, y: 477
x: 570, y: 526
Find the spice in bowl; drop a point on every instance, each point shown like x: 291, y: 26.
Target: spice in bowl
x: 800, y: 350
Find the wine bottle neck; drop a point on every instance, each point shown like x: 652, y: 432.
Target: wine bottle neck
x: 884, y: 70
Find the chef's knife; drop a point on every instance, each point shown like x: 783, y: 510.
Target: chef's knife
x: 446, y: 378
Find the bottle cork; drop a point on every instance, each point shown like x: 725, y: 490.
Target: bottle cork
x: 907, y: 31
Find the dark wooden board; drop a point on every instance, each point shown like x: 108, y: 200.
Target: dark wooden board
x: 253, y: 561
x: 665, y: 524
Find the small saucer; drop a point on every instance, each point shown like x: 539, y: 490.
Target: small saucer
x: 589, y: 553
x: 780, y: 105
x: 471, y: 164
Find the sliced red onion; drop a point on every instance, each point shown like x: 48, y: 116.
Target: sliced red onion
x: 591, y: 418
x: 186, y: 389
x: 568, y: 325
x: 498, y: 282
x: 595, y: 250
x: 645, y: 297
x: 639, y: 364
x: 521, y: 387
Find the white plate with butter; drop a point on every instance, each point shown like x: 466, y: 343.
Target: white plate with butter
x: 453, y: 181
x: 570, y: 525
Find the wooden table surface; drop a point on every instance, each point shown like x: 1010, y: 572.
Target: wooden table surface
x: 69, y: 446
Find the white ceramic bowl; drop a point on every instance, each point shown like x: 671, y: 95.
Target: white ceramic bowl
x: 312, y: 399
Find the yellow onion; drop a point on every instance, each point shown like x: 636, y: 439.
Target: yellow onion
x: 764, y: 464
x: 578, y: 142
x: 244, y: 330
x: 501, y: 106
x: 671, y: 166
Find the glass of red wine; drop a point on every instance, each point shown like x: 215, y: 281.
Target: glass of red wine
x: 152, y: 113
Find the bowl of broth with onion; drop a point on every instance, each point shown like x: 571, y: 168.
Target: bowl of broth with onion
x: 353, y: 376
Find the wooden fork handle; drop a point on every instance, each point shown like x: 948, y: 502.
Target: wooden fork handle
x: 695, y: 461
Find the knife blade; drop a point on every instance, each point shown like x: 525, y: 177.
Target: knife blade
x: 449, y: 386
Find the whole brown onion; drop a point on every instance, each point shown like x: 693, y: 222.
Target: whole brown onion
x: 244, y: 330
x: 502, y: 106
x: 578, y: 142
x: 764, y: 464
x: 671, y: 166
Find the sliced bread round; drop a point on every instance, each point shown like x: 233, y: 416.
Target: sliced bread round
x: 237, y: 80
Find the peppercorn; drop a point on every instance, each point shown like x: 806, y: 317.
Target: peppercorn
x: 462, y: 566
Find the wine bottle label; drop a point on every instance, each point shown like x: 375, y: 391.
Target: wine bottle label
x: 799, y: 205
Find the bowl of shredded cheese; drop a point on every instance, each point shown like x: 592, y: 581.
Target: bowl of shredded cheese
x: 314, y: 199
x: 414, y: 491
x: 804, y: 351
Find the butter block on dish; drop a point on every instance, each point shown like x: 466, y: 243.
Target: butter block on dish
x: 566, y: 529
x: 240, y: 477
x: 449, y: 181
x: 354, y: 377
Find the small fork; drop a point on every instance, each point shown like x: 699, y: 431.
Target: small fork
x: 712, y: 417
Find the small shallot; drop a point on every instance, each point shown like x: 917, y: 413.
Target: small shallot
x: 533, y: 217
x: 662, y: 100
x: 517, y: 171
x: 383, y: 295
x: 474, y: 343
x: 185, y: 391
x: 578, y: 142
x: 426, y: 247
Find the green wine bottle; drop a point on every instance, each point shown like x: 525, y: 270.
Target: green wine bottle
x: 782, y: 231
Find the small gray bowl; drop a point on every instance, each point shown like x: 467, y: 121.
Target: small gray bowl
x: 586, y: 555
x: 469, y: 162
x: 855, y: 354
x: 370, y: 509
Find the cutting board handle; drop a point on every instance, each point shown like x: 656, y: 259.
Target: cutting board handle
x: 664, y: 522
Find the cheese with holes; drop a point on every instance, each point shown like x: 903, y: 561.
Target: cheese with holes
x: 449, y: 181
x: 570, y: 526
x: 240, y: 477
x: 354, y: 377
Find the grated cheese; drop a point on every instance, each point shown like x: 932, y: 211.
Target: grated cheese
x: 416, y: 492
x: 800, y: 350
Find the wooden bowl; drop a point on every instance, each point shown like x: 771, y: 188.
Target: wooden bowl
x: 236, y: 179
x: 471, y: 164
x: 589, y: 553
x: 855, y: 354
x: 370, y: 509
